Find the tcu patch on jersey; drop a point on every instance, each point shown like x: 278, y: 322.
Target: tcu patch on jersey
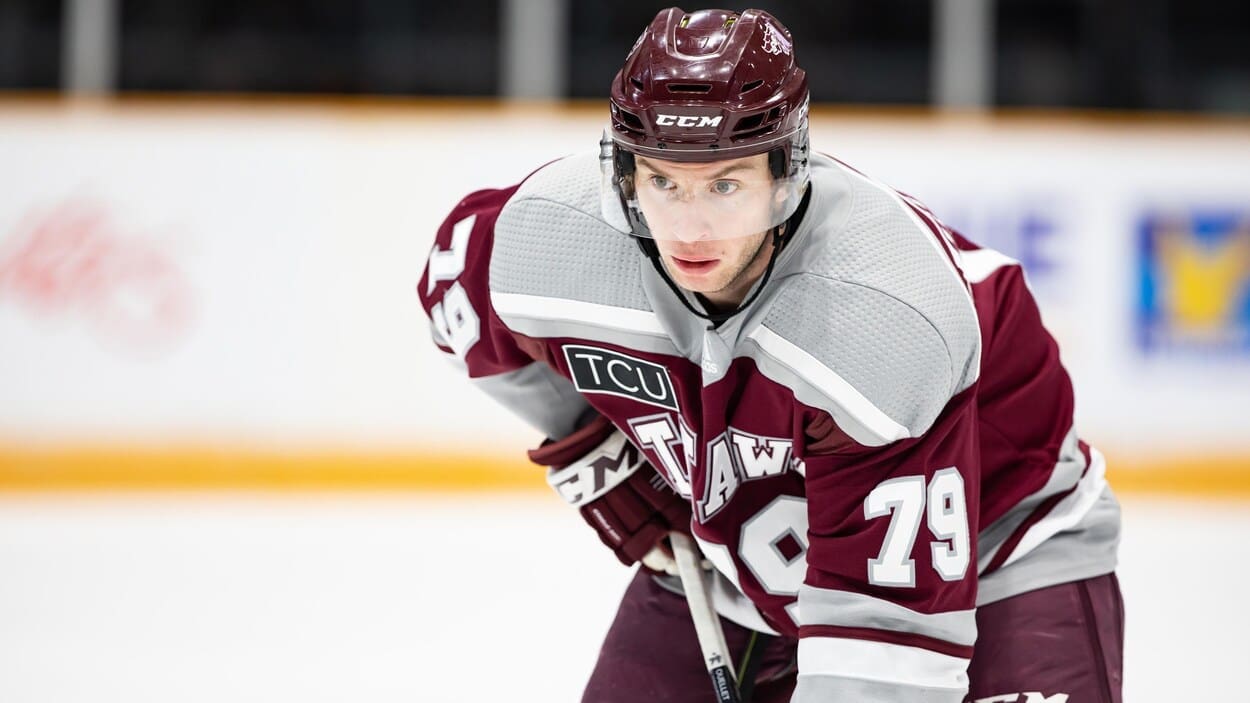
x: 597, y: 370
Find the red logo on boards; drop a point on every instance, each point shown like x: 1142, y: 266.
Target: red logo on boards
x: 74, y: 260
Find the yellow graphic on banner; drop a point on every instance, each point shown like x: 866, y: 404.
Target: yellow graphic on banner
x: 1202, y: 281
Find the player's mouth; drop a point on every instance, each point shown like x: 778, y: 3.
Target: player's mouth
x: 694, y: 265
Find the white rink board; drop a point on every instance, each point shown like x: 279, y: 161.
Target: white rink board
x: 399, y: 599
x: 260, y: 265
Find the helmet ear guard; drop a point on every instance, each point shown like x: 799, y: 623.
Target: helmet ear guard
x: 618, y: 167
x: 617, y: 194
x: 777, y: 163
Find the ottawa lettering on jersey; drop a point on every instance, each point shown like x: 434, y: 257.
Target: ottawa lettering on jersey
x: 733, y: 458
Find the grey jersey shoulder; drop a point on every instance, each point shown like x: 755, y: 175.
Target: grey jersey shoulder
x: 559, y: 269
x: 873, y: 316
x: 551, y: 240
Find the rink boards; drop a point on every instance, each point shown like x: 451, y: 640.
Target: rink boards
x: 210, y: 293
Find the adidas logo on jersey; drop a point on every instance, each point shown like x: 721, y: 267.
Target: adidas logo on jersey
x: 597, y: 370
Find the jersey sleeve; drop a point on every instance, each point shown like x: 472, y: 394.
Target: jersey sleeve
x: 887, y: 607
x: 886, y: 611
x: 455, y: 294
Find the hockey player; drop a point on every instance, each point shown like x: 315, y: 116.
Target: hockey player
x: 854, y: 410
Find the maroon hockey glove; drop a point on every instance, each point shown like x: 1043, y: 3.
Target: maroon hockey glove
x: 615, y: 489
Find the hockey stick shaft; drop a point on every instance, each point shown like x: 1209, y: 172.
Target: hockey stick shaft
x: 706, y: 622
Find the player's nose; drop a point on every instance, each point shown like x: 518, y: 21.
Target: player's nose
x: 691, y: 226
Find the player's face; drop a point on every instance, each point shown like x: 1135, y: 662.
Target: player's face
x: 710, y: 221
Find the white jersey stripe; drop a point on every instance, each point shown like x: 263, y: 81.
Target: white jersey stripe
x: 843, y: 393
x: 823, y: 606
x: 980, y: 264
x: 537, y: 307
x: 1070, y: 466
x: 881, y: 661
x: 1067, y: 512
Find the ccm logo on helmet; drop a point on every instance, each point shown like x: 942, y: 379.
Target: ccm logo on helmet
x: 687, y: 121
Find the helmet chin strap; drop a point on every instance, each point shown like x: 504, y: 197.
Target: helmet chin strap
x: 776, y: 234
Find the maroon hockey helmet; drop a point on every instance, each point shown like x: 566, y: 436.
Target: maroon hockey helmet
x: 707, y: 86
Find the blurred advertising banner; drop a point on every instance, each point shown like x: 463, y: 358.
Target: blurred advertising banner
x: 75, y: 260
x: 1194, y: 269
x: 242, y: 278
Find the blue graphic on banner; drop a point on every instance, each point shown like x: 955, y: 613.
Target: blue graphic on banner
x: 1193, y: 274
x: 1032, y: 231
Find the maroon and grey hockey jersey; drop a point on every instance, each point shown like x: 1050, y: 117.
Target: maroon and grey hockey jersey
x: 880, y: 443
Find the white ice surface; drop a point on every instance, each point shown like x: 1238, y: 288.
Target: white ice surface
x: 190, y: 599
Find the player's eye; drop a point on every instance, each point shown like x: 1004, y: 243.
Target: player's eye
x: 724, y: 187
x: 661, y: 182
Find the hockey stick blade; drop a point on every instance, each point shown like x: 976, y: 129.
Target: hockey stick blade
x: 706, y: 622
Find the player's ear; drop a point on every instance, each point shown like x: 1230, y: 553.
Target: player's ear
x: 627, y: 186
x: 626, y: 171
